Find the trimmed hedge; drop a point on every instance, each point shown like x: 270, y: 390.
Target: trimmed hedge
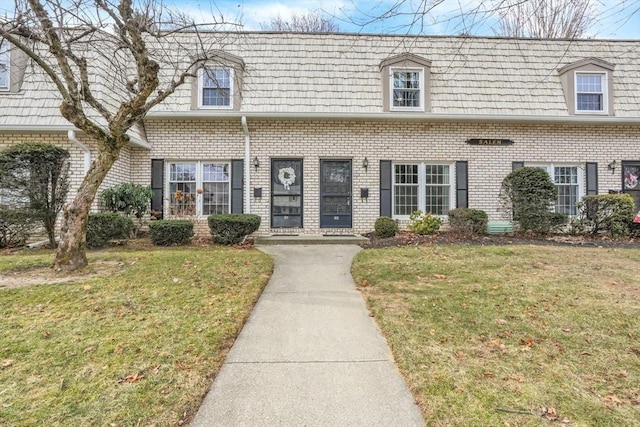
x: 528, y: 194
x: 171, y: 232
x: 229, y: 229
x: 468, y: 221
x: 605, y: 213
x: 15, y: 227
x: 106, y: 226
x: 385, y: 227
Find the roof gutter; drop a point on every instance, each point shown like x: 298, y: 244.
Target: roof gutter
x: 247, y: 162
x: 87, y: 153
x: 399, y: 116
x: 136, y: 142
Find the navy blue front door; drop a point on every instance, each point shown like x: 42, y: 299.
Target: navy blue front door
x: 335, y: 194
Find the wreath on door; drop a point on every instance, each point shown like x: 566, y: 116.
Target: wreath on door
x: 286, y: 176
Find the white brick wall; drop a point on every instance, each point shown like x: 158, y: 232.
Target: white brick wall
x: 355, y: 140
x: 397, y: 141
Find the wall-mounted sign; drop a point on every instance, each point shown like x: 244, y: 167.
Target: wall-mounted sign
x: 489, y: 141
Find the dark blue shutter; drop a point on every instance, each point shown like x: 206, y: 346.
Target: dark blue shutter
x: 462, y: 184
x: 517, y: 165
x: 592, y: 178
x: 237, y: 186
x: 385, y: 188
x: 157, y: 185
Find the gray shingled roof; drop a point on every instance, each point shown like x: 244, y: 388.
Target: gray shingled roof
x: 339, y: 73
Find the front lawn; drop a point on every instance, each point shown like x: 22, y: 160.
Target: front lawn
x: 511, y: 335
x: 135, y: 343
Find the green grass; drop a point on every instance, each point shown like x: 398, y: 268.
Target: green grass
x: 137, y: 344
x: 480, y: 330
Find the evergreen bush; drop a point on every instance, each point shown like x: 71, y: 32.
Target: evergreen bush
x: 15, y: 227
x: 230, y: 229
x: 385, y: 227
x: 106, y: 226
x: 468, y: 221
x: 528, y: 196
x: 171, y: 232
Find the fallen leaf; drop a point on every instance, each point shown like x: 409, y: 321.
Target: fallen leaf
x: 527, y: 342
x: 501, y: 321
x: 612, y: 399
x: 364, y: 283
x: 488, y: 374
x: 460, y: 355
x: 6, y: 363
x: 87, y: 287
x: 46, y: 334
x: 439, y: 276
x: 133, y: 378
x: 176, y: 280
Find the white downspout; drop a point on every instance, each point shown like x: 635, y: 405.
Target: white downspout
x: 247, y: 164
x: 87, y: 153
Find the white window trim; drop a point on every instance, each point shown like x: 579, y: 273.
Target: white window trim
x: 422, y: 89
x: 231, y: 89
x: 5, y: 58
x: 422, y: 196
x: 551, y: 166
x: 199, y: 185
x: 605, y: 95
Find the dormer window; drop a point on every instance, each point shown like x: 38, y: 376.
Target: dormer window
x: 405, y: 83
x: 407, y: 89
x: 591, y: 92
x: 215, y: 87
x: 587, y: 86
x: 219, y: 82
x: 4, y: 66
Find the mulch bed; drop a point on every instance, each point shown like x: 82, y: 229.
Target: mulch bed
x: 405, y: 238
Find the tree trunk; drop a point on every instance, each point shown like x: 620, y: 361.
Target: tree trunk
x: 71, y: 253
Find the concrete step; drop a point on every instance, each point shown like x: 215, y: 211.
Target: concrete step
x: 310, y: 239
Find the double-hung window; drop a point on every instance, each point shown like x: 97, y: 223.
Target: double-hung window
x: 407, y: 89
x: 591, y: 92
x: 4, y: 65
x: 199, y: 188
x: 568, y: 181
x: 422, y: 186
x: 215, y: 87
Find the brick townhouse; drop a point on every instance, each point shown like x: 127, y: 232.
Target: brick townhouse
x: 323, y: 133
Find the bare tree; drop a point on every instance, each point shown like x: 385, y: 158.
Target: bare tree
x: 74, y: 41
x: 309, y: 23
x: 531, y: 18
x: 553, y: 19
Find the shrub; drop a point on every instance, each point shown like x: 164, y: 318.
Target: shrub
x: 385, y: 227
x: 106, y: 226
x: 608, y: 213
x: 468, y: 221
x: 424, y: 223
x: 229, y: 229
x: 528, y: 196
x: 130, y: 199
x: 34, y: 177
x: 171, y: 232
x: 14, y: 228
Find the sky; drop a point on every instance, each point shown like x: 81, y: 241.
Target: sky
x: 619, y: 19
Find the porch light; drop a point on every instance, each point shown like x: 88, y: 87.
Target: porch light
x: 612, y: 166
x: 256, y: 162
x: 365, y: 163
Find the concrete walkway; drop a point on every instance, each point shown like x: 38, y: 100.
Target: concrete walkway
x: 309, y: 355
